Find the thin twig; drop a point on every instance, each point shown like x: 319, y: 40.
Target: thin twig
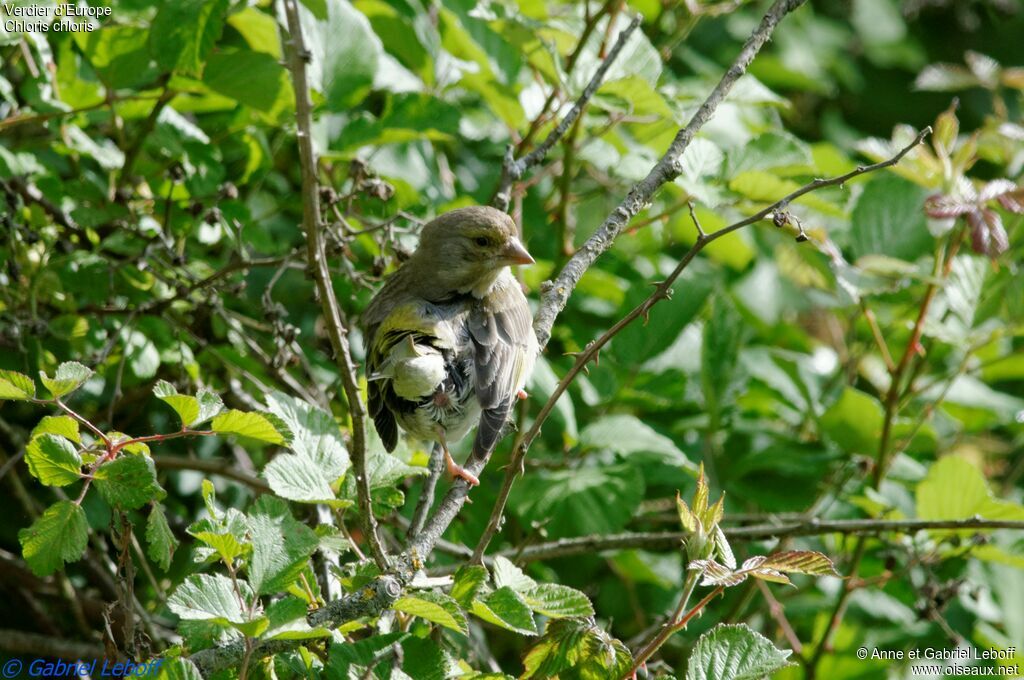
x: 336, y: 328
x: 426, y: 499
x: 513, y: 169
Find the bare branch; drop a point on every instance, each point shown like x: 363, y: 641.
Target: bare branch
x: 513, y: 169
x: 333, y: 318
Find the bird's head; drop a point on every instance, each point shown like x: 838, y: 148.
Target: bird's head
x: 467, y: 248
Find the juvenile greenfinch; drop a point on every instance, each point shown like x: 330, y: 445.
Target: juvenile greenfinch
x: 449, y: 338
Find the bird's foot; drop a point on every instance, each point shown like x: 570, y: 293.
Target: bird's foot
x: 522, y: 394
x: 459, y: 472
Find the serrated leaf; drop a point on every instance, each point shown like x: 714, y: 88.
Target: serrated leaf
x: 183, y: 33
x: 225, y: 544
x: 53, y: 460
x: 191, y: 410
x: 298, y: 478
x: 128, y: 482
x: 315, y: 434
x: 557, y: 651
x: 281, y: 546
x: 508, y: 574
x: 801, y: 562
x: 687, y: 519
x: 434, y: 607
x: 467, y: 582
x: 557, y: 601
x: 224, y: 534
x: 65, y: 426
x: 17, y: 386
x: 262, y: 427
x: 956, y: 489
x: 580, y: 647
x: 58, y: 536
x: 734, y: 652
x: 69, y: 376
x: 505, y: 608
x: 755, y: 566
x: 715, y: 574
x: 162, y: 542
x: 723, y: 548
x: 586, y: 500
x: 211, y: 597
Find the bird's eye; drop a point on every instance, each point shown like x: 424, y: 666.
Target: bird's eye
x: 482, y: 241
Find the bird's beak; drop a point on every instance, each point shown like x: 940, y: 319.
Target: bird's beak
x: 515, y: 253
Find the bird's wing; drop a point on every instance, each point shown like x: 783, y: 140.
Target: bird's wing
x: 504, y: 351
x: 415, y: 322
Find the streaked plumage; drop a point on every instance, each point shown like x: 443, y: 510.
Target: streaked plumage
x: 449, y: 336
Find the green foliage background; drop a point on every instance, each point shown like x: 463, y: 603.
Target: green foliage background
x: 150, y: 230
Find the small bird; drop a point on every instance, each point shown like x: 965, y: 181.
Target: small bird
x: 449, y: 337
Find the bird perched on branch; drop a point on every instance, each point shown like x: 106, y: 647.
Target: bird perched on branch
x: 449, y: 337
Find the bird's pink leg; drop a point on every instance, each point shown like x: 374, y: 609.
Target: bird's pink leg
x: 522, y: 394
x: 454, y: 469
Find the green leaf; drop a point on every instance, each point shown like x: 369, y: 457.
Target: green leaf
x: 667, y: 320
x: 467, y: 582
x: 18, y: 386
x: 53, y: 460
x: 801, y: 562
x: 259, y: 30
x: 314, y: 434
x: 65, y: 426
x: 889, y: 219
x: 211, y: 597
x: 434, y: 607
x: 262, y: 427
x: 734, y: 652
x: 298, y: 478
x: 58, y: 536
x: 956, y: 489
x: 183, y: 33
x: 505, y: 608
x: 224, y: 543
x: 119, y: 53
x: 191, y: 410
x: 723, y: 338
x: 69, y: 377
x: 627, y: 434
x: 281, y: 546
x: 178, y: 669
x: 588, y: 500
x: 254, y: 79
x: 508, y: 574
x: 770, y: 150
x: 129, y: 482
x: 162, y: 542
x: 557, y: 601
x: 854, y: 422
x: 577, y: 645
x: 225, y: 534
x: 346, y: 53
